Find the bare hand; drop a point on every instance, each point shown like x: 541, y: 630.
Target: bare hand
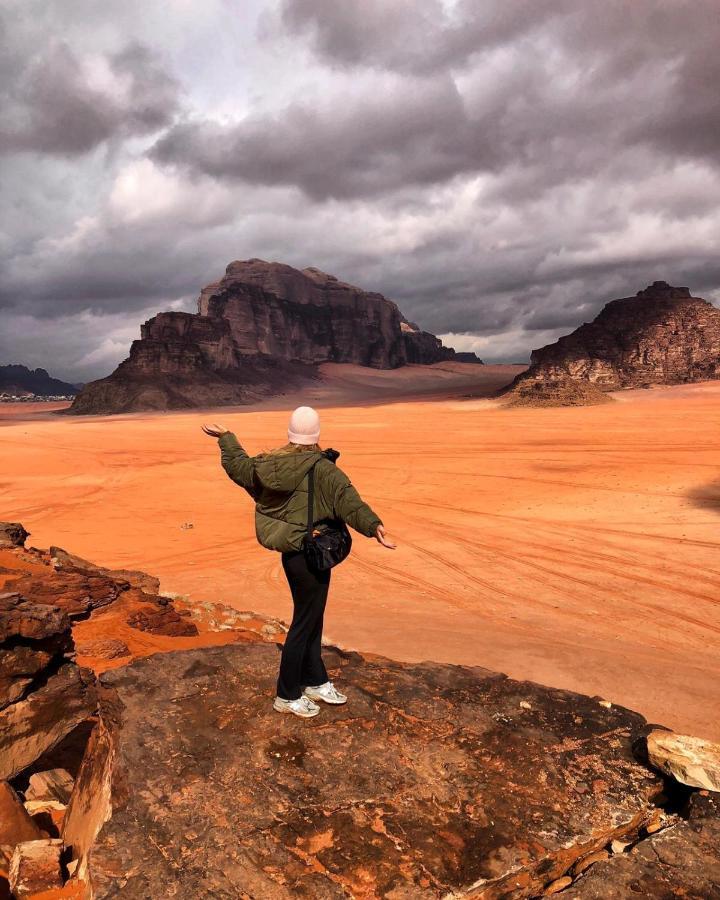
x: 381, y: 539
x: 215, y: 430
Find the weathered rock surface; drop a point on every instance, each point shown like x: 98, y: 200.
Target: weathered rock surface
x: 64, y: 560
x: 682, y: 861
x: 12, y: 534
x: 35, y: 867
x: 260, y: 330
x: 74, y: 591
x: 55, y: 784
x: 663, y: 335
x: 15, y: 822
x: 432, y: 779
x: 162, y: 619
x: 43, y: 693
x: 44, y: 717
x: 687, y: 759
x: 554, y: 392
x: 104, y: 648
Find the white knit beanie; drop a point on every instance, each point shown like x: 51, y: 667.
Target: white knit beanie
x: 304, y: 427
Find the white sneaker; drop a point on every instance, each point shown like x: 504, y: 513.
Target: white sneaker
x: 327, y: 692
x: 303, y: 707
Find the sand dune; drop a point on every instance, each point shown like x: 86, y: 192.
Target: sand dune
x: 576, y: 547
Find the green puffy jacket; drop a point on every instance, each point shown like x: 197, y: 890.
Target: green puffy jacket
x: 278, y: 484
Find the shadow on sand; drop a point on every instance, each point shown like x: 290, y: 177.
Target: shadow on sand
x: 706, y: 496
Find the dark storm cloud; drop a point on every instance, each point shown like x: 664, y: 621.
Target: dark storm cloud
x: 412, y: 37
x: 575, y: 91
x: 403, y: 134
x: 55, y: 102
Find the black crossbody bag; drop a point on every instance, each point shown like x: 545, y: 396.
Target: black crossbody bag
x: 327, y: 543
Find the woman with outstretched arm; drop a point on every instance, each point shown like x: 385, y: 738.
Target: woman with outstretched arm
x: 280, y: 482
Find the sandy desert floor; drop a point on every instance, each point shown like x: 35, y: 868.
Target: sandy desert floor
x: 575, y: 547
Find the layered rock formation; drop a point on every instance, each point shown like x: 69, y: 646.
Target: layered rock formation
x: 49, y: 692
x: 662, y: 335
x: 44, y: 695
x: 260, y: 330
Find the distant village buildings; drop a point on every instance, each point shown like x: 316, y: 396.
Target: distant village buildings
x: 34, y: 398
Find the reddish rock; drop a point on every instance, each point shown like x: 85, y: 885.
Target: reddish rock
x: 31, y: 636
x: 162, y: 620
x: 64, y: 560
x: 16, y: 825
x: 54, y: 784
x: 18, y: 665
x: 44, y: 717
x: 663, y: 335
x: 21, y: 618
x: 74, y: 591
x: 430, y: 781
x: 91, y: 802
x: 260, y: 330
x: 12, y: 534
x: 104, y: 648
x: 35, y: 867
x: 682, y: 861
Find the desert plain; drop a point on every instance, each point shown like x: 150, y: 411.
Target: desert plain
x: 577, y: 547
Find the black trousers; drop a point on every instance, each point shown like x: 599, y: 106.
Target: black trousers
x: 301, y: 664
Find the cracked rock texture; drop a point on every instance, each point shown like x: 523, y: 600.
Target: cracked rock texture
x: 433, y: 779
x: 260, y: 330
x: 662, y: 335
x: 44, y: 695
x: 682, y: 861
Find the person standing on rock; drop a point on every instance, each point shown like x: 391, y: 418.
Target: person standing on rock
x: 279, y: 482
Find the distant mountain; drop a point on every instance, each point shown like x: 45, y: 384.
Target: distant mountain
x: 261, y: 330
x: 20, y: 381
x: 662, y: 335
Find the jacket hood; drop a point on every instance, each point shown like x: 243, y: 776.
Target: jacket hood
x: 284, y: 472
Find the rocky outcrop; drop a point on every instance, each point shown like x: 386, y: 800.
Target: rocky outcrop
x: 260, y: 330
x: 554, y: 392
x: 662, y: 335
x: 19, y: 380
x: 434, y: 779
x: 48, y: 703
x: 45, y: 694
x: 12, y: 534
x: 36, y: 867
x: 688, y: 759
x: 681, y: 860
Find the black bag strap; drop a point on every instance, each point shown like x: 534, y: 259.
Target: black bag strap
x: 311, y: 491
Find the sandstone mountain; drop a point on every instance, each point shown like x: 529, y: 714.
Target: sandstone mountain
x: 172, y: 777
x: 662, y: 335
x: 261, y: 329
x: 20, y: 381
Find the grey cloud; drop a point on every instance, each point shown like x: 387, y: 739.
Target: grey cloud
x: 57, y: 103
x: 415, y: 133
x: 411, y: 37
x: 576, y: 96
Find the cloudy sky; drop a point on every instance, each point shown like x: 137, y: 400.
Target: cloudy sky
x: 499, y: 168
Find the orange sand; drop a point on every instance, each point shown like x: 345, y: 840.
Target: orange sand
x: 576, y: 547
